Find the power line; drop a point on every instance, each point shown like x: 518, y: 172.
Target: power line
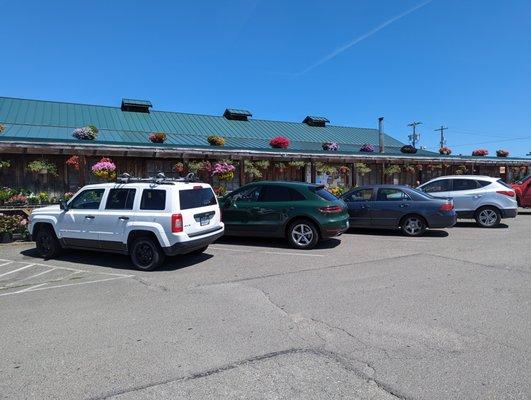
x: 442, y: 141
x: 414, y: 137
x: 493, y: 141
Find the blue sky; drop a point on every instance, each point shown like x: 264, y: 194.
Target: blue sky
x: 462, y: 63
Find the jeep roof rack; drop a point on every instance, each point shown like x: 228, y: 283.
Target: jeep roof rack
x: 160, y: 178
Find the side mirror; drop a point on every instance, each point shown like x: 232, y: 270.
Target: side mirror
x: 63, y: 205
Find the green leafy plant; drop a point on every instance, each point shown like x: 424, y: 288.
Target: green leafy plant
x: 252, y: 170
x: 4, y: 164
x: 42, y: 167
x: 322, y: 168
x: 216, y: 140
x: 280, y: 166
x: 362, y: 168
x: 461, y: 170
x: 298, y: 164
x: 391, y: 170
x: 262, y: 164
x: 43, y: 197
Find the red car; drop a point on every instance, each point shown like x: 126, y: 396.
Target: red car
x: 523, y: 191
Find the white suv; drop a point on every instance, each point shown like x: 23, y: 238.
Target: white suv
x: 145, y: 218
x: 483, y: 198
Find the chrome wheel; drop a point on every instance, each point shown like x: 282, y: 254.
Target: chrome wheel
x: 488, y: 217
x: 413, y: 226
x: 302, y: 235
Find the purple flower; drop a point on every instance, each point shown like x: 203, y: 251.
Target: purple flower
x: 367, y: 148
x: 330, y: 146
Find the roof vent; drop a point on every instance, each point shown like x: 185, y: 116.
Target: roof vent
x: 136, y: 105
x: 237, y: 115
x: 315, y: 121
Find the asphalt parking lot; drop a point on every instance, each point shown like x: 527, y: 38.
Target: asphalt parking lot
x: 371, y: 315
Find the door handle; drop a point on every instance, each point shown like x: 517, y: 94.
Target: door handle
x: 477, y: 196
x: 123, y: 218
x: 89, y: 217
x: 404, y: 205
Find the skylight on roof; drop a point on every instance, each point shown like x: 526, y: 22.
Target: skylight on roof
x: 315, y: 121
x: 136, y: 105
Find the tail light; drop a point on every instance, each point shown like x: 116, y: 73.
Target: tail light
x: 509, y: 193
x: 331, y: 209
x: 447, y: 207
x: 176, y: 223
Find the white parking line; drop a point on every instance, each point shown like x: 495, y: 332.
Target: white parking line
x: 36, y: 275
x: 28, y: 289
x: 282, y: 253
x: 16, y: 270
x: 5, y: 263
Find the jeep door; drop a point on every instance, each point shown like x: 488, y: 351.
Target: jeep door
x: 112, y: 221
x: 77, y: 225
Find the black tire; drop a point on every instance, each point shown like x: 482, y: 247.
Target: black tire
x: 199, y: 251
x: 47, y: 243
x: 302, y: 234
x: 487, y: 217
x: 413, y: 225
x: 146, y: 254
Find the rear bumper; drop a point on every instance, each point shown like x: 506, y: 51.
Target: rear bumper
x: 509, y: 213
x: 192, y: 245
x: 442, y: 221
x: 334, y: 228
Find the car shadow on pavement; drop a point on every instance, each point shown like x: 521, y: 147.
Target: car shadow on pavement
x: 395, y: 232
x: 118, y: 261
x: 474, y: 225
x: 527, y: 212
x: 275, y: 242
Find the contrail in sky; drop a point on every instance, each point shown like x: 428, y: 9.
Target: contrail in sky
x: 363, y: 37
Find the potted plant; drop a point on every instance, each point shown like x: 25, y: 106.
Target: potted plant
x: 445, y: 151
x: 4, y: 164
x: 43, y: 197
x: 330, y: 146
x: 408, y: 149
x: 104, y: 169
x: 33, y: 199
x: 336, y: 190
x: 367, y: 148
x: 480, y: 152
x: 279, y: 142
x: 157, y: 137
x: 461, y: 170
x: 178, y: 167
x: 42, y: 167
x: 409, y: 169
x: 223, y: 171
x: 502, y: 153
x: 216, y: 140
x: 262, y: 164
x: 362, y: 168
x: 73, y: 162
x: 391, y: 170
x: 322, y: 168
x: 89, y: 132
x: 17, y: 200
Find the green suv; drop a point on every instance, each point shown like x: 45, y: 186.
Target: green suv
x: 304, y: 213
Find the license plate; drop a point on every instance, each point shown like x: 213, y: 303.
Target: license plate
x: 204, y: 221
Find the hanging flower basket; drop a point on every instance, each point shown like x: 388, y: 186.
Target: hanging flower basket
x: 461, y: 170
x: 157, y: 137
x: 297, y: 164
x: 279, y: 142
x: 4, y: 164
x: 223, y: 171
x: 480, y: 152
x: 408, y: 149
x: 178, y: 167
x: 322, y: 168
x: 409, y: 169
x: 362, y: 168
x: 502, y: 153
x: 216, y: 140
x: 252, y: 171
x: 220, y: 191
x: 280, y: 166
x: 86, y: 133
x: 367, y: 148
x: 73, y: 162
x: 2, y: 128
x: 391, y: 170
x: 419, y: 167
x: 42, y: 167
x: 262, y: 164
x: 344, y: 169
x: 330, y: 146
x: 445, y: 151
x: 336, y: 190
x: 104, y: 169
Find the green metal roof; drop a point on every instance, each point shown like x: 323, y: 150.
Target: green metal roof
x: 53, y: 122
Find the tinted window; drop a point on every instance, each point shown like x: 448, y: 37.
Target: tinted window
x: 486, y: 183
x: 324, y: 194
x: 153, y: 199
x: 464, y: 184
x: 195, y: 198
x: 120, y: 199
x: 359, y: 195
x: 391, y: 195
x: 248, y: 194
x: 279, y: 193
x: 87, y: 200
x: 442, y: 185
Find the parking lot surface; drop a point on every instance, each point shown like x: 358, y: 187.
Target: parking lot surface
x: 370, y: 315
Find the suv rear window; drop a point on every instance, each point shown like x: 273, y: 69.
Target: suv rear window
x: 501, y: 182
x: 484, y: 183
x: 153, y: 199
x: 323, y: 193
x: 195, y: 198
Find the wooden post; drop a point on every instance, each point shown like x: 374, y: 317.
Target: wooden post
x: 312, y: 173
x: 82, y: 171
x: 242, y: 172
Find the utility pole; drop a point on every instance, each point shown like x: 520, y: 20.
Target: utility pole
x: 442, y: 129
x: 414, y: 138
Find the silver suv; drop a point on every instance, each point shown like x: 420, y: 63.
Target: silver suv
x: 145, y: 218
x: 485, y: 199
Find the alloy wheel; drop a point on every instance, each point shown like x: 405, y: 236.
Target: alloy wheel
x: 144, y: 254
x: 302, y: 234
x: 413, y: 226
x: 487, y: 217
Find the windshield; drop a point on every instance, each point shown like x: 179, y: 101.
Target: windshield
x: 196, y: 198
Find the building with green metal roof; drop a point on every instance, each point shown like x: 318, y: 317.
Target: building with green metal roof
x: 36, y: 128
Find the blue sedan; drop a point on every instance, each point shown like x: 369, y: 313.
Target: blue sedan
x: 398, y: 207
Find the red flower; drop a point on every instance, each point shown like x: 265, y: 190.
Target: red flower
x: 279, y: 142
x: 480, y: 152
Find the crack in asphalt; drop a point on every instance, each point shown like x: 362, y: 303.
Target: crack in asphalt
x: 150, y: 285
x: 339, y: 359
